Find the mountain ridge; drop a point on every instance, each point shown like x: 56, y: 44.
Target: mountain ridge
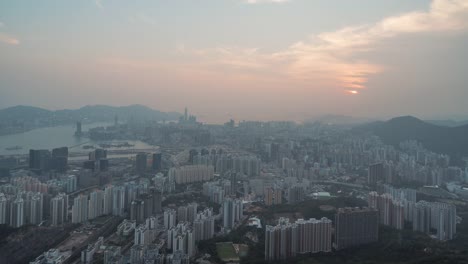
x: 440, y: 139
x: 94, y: 113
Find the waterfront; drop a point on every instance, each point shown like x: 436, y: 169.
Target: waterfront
x: 59, y: 136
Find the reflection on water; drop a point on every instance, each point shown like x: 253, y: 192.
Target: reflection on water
x: 60, y: 136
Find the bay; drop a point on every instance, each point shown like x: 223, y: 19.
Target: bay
x: 54, y: 137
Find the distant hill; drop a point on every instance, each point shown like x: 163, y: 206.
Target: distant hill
x: 339, y: 120
x: 21, y: 112
x: 94, y: 113
x: 448, y: 122
x: 440, y: 139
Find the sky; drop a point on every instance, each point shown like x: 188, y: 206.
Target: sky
x: 240, y: 59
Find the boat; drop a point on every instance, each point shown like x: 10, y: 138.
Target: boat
x: 88, y: 147
x: 14, y: 148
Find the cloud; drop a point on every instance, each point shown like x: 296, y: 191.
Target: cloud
x: 4, y: 38
x: 99, y: 3
x: 330, y: 58
x: 266, y: 1
x: 143, y: 18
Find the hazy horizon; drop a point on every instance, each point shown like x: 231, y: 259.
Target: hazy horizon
x: 240, y: 59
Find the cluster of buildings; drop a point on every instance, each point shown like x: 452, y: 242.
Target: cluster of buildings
x: 44, y: 160
x: 51, y: 256
x: 183, y: 227
x: 353, y: 227
x: 145, y: 161
x: 441, y: 217
x: 288, y: 240
x: 181, y: 238
x: 27, y: 207
x: 191, y: 174
x: 217, y: 190
x: 21, y: 209
x: 399, y: 205
x: 63, y: 183
x: 243, y: 164
x: 391, y: 211
x: 282, y: 165
x: 97, y: 160
x: 186, y: 226
x: 138, y: 201
x: 273, y: 196
x: 233, y: 212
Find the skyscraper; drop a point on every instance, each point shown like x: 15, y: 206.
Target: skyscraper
x: 118, y: 200
x: 78, y: 131
x: 157, y: 162
x: 191, y: 212
x: 356, y: 226
x: 169, y: 218
x: 137, y: 211
x: 108, y: 200
x: 140, y: 162
x: 191, y: 174
x: 80, y: 209
x: 232, y: 212
x: 59, y: 209
x: 437, y: 216
x: 39, y: 159
x: 157, y: 200
x: 287, y: 240
x: 375, y: 174
x: 182, y: 214
x: 17, y: 212
x: 36, y: 203
x: 96, y: 204
x: 4, y: 209
x: 142, y: 235
x: 203, y: 225
x: 295, y: 194
x: 391, y: 211
x: 273, y: 196
x: 181, y: 238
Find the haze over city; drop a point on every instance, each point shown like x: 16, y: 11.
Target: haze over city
x: 240, y: 59
x: 233, y: 132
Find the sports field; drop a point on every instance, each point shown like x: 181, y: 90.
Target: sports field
x: 226, y: 252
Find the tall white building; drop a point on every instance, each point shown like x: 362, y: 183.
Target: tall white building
x: 36, y: 204
x: 181, y: 238
x: 143, y: 235
x: 287, y: 240
x: 438, y: 216
x: 118, y: 200
x: 59, y: 209
x: 182, y: 214
x: 192, y: 212
x: 191, y: 174
x: 152, y: 223
x: 4, y: 209
x: 233, y: 211
x: 96, y: 204
x: 108, y: 201
x: 203, y: 226
x: 80, y: 209
x: 169, y: 218
x: 17, y: 212
x: 391, y: 211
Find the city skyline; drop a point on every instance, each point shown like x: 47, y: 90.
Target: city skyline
x: 240, y: 59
